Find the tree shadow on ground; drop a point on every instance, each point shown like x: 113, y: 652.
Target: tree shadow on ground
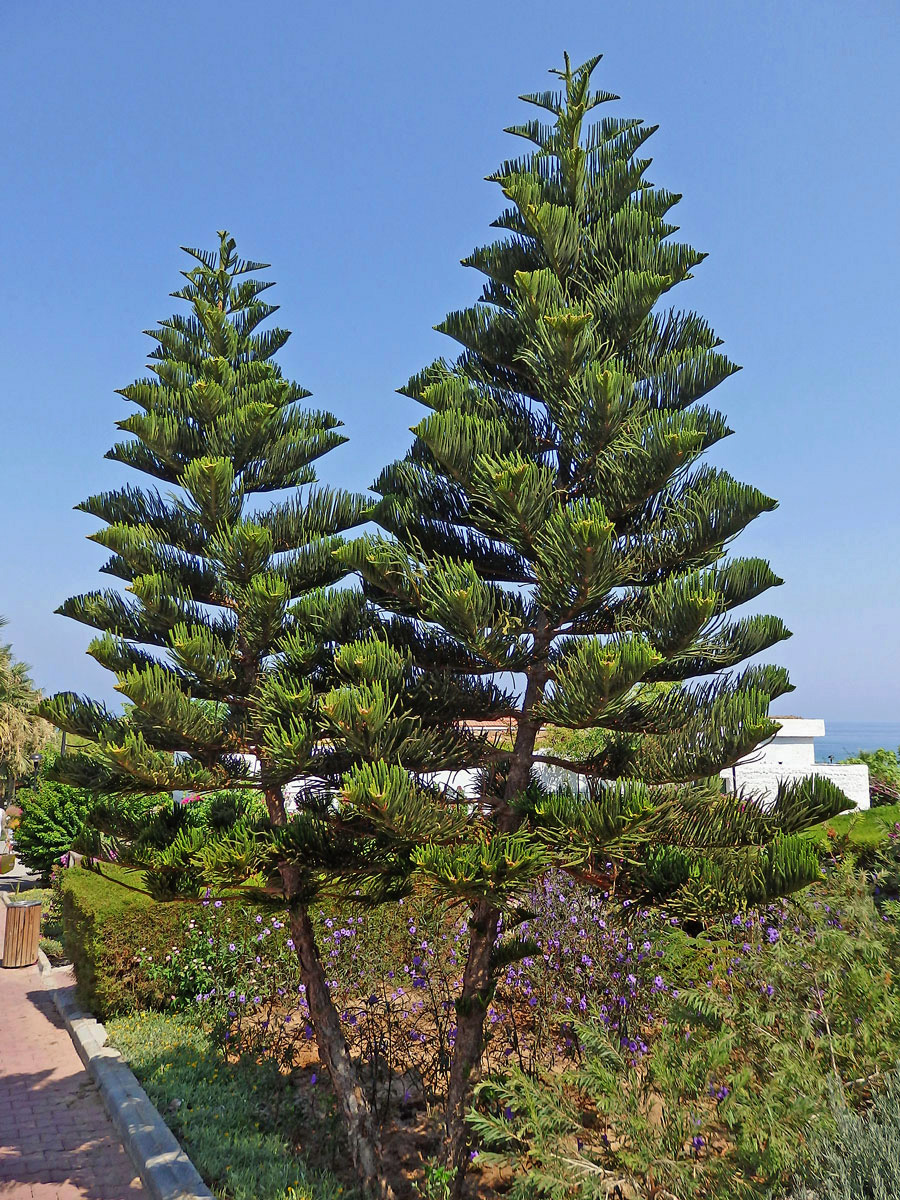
x: 55, y: 1130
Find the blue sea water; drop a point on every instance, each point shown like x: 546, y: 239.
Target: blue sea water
x: 843, y: 739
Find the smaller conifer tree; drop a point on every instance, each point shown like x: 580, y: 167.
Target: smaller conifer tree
x: 225, y: 639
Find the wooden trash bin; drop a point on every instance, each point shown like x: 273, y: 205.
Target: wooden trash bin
x: 23, y: 932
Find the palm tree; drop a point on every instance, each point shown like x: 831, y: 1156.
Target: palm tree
x: 22, y: 734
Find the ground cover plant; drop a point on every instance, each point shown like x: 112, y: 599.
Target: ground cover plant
x: 861, y: 830
x: 222, y: 1114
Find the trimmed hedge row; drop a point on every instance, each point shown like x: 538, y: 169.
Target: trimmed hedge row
x: 106, y: 926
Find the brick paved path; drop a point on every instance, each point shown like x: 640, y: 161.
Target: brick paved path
x: 56, y: 1139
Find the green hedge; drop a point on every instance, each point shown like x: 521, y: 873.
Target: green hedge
x: 106, y: 927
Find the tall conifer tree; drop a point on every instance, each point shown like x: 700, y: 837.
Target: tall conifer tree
x: 225, y: 643
x: 553, y: 525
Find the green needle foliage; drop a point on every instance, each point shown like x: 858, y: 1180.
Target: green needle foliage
x: 226, y: 614
x: 554, y: 528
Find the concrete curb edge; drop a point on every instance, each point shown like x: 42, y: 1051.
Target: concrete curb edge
x: 165, y: 1170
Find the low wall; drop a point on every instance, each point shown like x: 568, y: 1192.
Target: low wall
x: 851, y: 778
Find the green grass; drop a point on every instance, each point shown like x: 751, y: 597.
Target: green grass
x: 220, y: 1112
x: 864, y: 829
x: 103, y: 891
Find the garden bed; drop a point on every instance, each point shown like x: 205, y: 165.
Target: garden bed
x: 644, y: 1056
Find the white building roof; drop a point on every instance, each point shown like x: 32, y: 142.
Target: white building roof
x: 800, y: 727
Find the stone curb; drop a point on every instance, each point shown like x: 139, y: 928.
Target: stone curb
x: 165, y: 1170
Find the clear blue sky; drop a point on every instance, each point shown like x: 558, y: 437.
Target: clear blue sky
x: 346, y: 144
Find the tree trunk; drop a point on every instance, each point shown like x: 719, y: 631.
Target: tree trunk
x: 471, y: 1010
x: 359, y: 1121
x: 478, y: 977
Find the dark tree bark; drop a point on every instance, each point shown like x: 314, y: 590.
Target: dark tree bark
x: 359, y: 1120
x: 479, y: 979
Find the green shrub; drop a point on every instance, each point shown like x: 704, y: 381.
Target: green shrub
x: 53, y: 817
x: 110, y: 930
x: 884, y: 774
x: 56, y: 818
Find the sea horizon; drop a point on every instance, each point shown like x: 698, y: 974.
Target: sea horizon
x: 845, y: 739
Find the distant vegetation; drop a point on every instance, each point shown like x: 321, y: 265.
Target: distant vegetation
x: 884, y: 774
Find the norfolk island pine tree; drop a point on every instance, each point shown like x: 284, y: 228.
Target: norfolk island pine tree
x: 552, y: 523
x: 228, y: 637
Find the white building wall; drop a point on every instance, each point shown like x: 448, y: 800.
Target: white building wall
x: 789, y: 755
x: 762, y: 779
x: 758, y: 778
x: 792, y: 746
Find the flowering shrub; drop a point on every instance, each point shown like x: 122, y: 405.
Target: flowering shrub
x: 585, y: 956
x: 395, y: 975
x: 619, y: 1048
x: 239, y: 970
x: 236, y: 966
x: 884, y: 865
x: 756, y: 1022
